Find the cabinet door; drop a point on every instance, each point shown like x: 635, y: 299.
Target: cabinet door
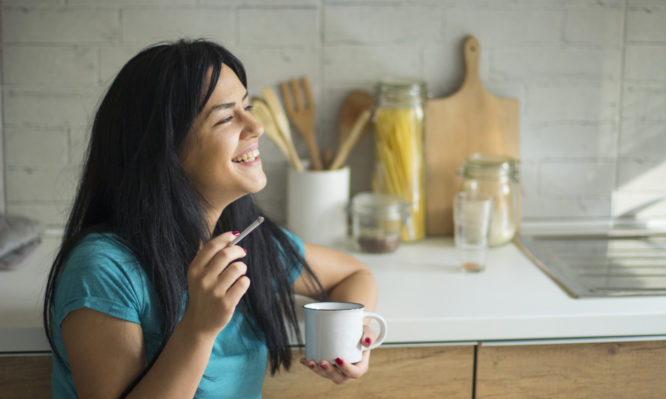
x: 604, y: 370
x: 25, y: 376
x: 401, y: 372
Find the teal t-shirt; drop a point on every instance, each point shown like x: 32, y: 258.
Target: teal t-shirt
x: 102, y: 274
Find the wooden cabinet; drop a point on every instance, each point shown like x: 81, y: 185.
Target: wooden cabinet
x: 595, y: 370
x: 399, y: 372
x: 598, y: 370
x: 26, y: 376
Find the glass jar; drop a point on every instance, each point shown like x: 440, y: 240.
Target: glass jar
x: 399, y: 138
x: 377, y: 221
x: 496, y: 175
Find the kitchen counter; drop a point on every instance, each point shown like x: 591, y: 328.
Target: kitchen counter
x: 422, y: 295
x: 425, y: 298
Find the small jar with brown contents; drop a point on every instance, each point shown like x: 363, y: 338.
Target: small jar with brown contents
x: 377, y: 221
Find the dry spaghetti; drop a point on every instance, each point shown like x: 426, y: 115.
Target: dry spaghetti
x: 399, y: 151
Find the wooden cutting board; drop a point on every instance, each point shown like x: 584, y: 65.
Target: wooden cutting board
x: 470, y: 120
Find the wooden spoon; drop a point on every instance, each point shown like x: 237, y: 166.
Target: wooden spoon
x: 281, y: 122
x: 356, y: 131
x: 356, y: 102
x: 262, y: 112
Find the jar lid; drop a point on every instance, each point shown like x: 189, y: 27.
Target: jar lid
x: 401, y: 91
x: 489, y: 166
x: 384, y: 204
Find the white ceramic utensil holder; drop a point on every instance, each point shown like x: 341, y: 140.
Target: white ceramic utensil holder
x: 316, y: 205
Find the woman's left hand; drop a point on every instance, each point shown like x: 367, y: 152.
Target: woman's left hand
x: 341, y: 371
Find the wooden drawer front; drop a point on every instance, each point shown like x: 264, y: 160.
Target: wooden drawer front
x: 25, y: 376
x: 606, y: 370
x: 405, y: 372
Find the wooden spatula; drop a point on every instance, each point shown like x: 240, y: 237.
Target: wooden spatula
x: 355, y: 103
x: 302, y: 114
x: 470, y: 120
x: 356, y: 131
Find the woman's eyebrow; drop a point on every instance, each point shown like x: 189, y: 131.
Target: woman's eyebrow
x: 223, y: 106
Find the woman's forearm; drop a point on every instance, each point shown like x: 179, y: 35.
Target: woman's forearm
x: 178, y: 370
x: 359, y: 287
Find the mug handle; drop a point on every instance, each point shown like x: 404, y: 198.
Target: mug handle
x: 382, y: 332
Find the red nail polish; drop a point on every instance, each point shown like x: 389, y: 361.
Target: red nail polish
x: 244, y: 250
x: 367, y: 340
x: 338, y: 361
x: 312, y: 366
x: 323, y: 366
x: 235, y: 233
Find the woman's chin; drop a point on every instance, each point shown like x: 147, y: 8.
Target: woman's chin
x: 258, y: 184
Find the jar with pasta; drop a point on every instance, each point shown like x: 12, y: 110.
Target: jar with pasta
x: 399, y: 149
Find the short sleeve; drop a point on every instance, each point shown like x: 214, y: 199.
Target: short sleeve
x: 103, y: 276
x: 295, y: 270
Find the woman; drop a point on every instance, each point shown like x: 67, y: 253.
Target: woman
x: 145, y: 297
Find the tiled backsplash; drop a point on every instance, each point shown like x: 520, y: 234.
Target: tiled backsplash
x: 590, y: 77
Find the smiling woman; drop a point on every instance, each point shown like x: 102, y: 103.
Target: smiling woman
x: 217, y: 157
x: 147, y: 297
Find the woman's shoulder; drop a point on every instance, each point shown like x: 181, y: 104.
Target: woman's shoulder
x: 295, y: 240
x: 102, y: 252
x: 102, y: 244
x: 101, y: 273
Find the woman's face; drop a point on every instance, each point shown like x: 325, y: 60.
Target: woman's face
x: 221, y: 151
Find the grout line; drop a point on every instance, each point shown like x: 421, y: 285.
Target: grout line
x: 620, y: 98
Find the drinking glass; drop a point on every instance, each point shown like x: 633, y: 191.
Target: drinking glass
x: 472, y: 214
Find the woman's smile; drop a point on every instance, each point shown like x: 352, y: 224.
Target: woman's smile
x: 249, y: 157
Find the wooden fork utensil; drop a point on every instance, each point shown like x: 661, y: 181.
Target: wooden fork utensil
x: 302, y: 114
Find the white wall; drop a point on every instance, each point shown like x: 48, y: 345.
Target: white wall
x: 590, y: 76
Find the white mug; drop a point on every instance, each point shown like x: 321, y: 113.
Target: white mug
x: 335, y: 329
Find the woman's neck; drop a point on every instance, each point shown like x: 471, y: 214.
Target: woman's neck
x: 212, y: 216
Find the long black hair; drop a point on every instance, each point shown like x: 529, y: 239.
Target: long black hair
x: 133, y: 185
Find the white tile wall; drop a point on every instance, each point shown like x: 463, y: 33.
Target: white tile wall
x: 283, y: 27
x: 590, y: 76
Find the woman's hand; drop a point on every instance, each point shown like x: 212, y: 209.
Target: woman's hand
x: 341, y: 371
x: 216, y: 283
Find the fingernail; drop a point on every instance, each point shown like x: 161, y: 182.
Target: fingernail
x: 338, y: 361
x: 323, y: 366
x: 235, y: 233
x: 368, y: 341
x: 244, y: 250
x: 312, y: 366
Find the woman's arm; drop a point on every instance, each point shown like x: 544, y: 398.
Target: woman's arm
x: 106, y: 354
x: 345, y: 279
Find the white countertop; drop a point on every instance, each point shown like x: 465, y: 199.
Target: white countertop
x: 425, y: 298
x: 422, y: 295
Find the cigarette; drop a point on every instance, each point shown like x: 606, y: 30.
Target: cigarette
x: 247, y: 231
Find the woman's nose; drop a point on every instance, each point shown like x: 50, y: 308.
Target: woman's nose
x: 253, y: 127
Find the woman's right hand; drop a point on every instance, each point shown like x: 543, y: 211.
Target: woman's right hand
x: 216, y: 283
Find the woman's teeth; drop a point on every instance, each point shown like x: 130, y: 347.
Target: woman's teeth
x: 247, y: 157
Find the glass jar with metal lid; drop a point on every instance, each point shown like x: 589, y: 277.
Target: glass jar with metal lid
x: 399, y: 135
x: 377, y: 221
x: 496, y: 175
